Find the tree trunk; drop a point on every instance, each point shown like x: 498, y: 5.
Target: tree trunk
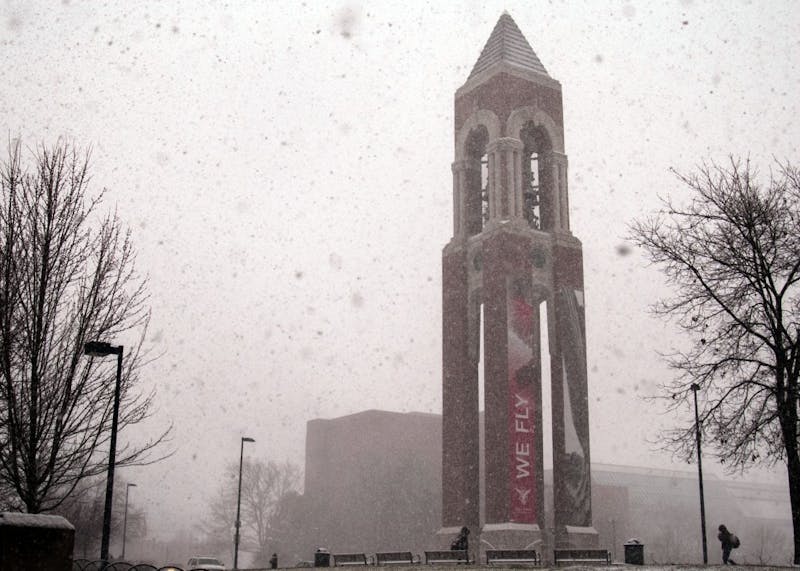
x: 787, y: 410
x: 793, y: 471
x: 793, y: 468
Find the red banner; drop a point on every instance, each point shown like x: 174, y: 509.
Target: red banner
x: 523, y: 371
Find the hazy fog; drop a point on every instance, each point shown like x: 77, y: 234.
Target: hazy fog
x: 285, y: 168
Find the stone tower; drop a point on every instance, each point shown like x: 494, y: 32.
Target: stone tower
x: 512, y: 268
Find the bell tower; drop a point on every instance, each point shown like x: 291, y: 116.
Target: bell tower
x: 511, y: 269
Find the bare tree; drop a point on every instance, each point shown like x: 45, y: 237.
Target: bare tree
x: 67, y: 276
x: 265, y: 486
x: 84, y: 510
x: 732, y: 256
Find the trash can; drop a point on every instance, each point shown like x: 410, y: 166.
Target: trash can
x: 634, y: 552
x: 322, y: 558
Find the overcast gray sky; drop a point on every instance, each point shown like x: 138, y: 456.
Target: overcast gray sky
x: 285, y: 167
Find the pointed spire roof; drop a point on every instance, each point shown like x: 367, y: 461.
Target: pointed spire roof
x: 507, y: 44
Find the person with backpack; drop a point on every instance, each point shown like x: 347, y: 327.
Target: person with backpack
x: 729, y: 541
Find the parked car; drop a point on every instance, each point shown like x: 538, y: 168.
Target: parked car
x: 204, y: 563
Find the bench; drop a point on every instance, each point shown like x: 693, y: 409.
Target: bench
x: 396, y: 558
x: 347, y: 559
x: 446, y: 557
x: 570, y: 556
x: 512, y: 556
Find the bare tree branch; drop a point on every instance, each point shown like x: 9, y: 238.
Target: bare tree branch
x: 264, y: 487
x: 67, y: 275
x: 732, y: 256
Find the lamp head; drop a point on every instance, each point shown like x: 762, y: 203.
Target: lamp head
x: 247, y: 439
x: 100, y: 349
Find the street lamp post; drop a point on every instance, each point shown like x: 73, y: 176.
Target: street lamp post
x: 102, y: 349
x: 613, y: 539
x: 125, y: 518
x: 695, y: 387
x: 239, y: 504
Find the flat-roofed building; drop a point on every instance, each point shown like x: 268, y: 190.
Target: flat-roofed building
x: 373, y: 483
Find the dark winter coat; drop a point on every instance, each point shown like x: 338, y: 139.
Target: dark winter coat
x: 461, y: 542
x: 725, y: 537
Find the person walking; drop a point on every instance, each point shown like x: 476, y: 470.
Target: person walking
x: 273, y: 561
x: 729, y: 541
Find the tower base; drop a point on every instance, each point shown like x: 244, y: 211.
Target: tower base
x: 446, y: 535
x: 575, y: 537
x: 510, y: 535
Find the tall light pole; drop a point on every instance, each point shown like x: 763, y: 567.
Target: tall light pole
x: 125, y: 518
x: 103, y: 349
x: 613, y: 539
x: 239, y: 505
x: 695, y: 387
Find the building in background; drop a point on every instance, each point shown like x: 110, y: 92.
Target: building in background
x: 373, y: 483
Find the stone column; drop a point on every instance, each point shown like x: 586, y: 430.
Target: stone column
x: 572, y: 491
x: 513, y: 459
x: 459, y: 169
x: 460, y: 455
x: 561, y: 204
x: 505, y: 178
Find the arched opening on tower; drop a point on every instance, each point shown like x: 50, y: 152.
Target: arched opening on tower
x: 484, y: 188
x: 477, y: 181
x: 538, y: 193
x: 530, y: 190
